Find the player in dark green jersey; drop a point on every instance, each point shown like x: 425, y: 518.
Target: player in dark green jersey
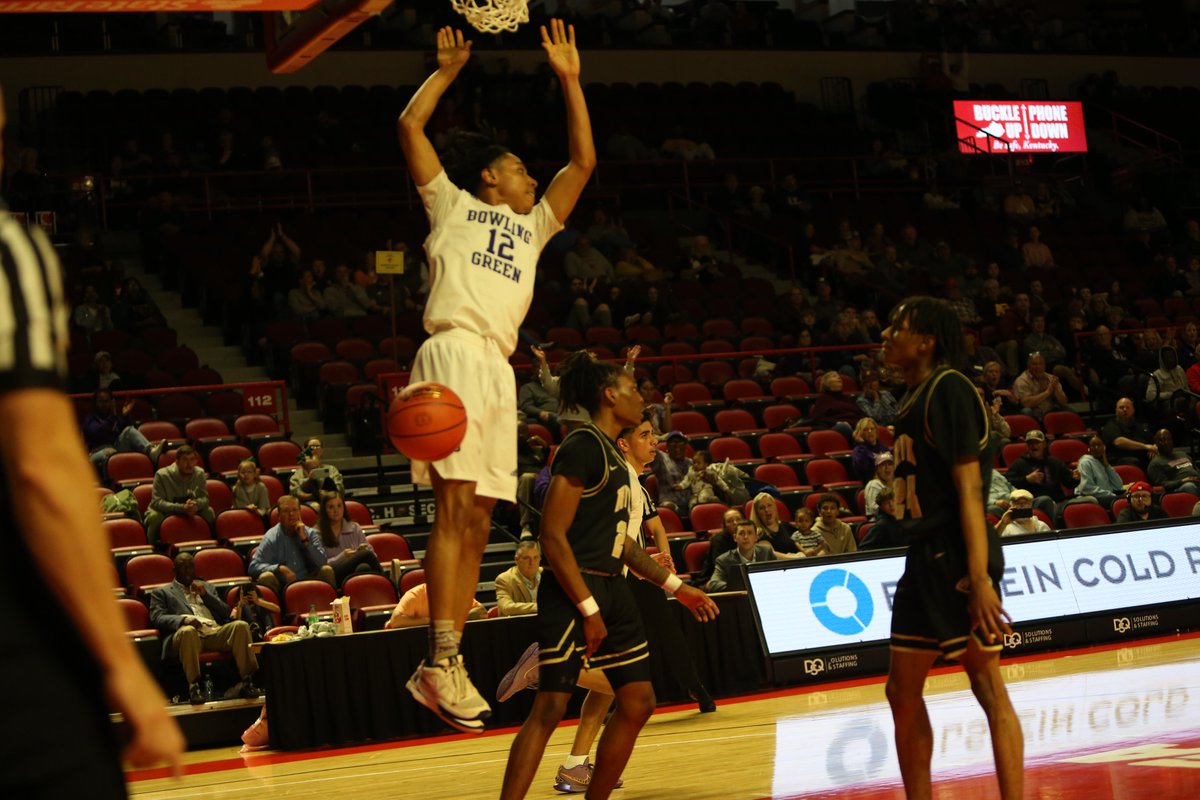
x: 947, y: 602
x: 587, y: 617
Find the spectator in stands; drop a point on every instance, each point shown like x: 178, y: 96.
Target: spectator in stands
x: 179, y: 489
x: 808, y: 541
x: 992, y: 381
x: 836, y: 536
x: 106, y: 432
x: 1185, y: 344
x: 192, y: 619
x: 587, y: 309
x: 885, y: 465
x: 1037, y: 391
x: 607, y: 233
x: 249, y: 491
x: 345, y: 298
x: 704, y: 481
x: 92, y: 316
x: 721, y: 542
x: 304, y: 301
x: 727, y: 577
x: 1014, y: 326
x: 1019, y: 205
x: 624, y: 146
x: 842, y: 333
x: 1170, y: 468
x: 1043, y: 475
x: 889, y: 274
x: 1097, y: 479
x: 1010, y: 257
x: 1143, y: 215
x: 875, y: 402
x: 832, y: 408
x: 1109, y: 369
x: 532, y: 452
x: 346, y: 547
x: 413, y: 609
x: 963, y: 306
x: 1141, y: 506
x: 133, y: 308
x: 276, y: 260
x: 999, y: 494
x: 1045, y: 202
x: 1189, y: 246
x: 912, y: 251
x: 321, y: 277
x: 517, y: 587
x: 1052, y: 350
x: 699, y: 263
x: 569, y: 418
x: 677, y: 145
x: 670, y: 468
x: 631, y: 264
x: 1193, y: 374
x: 1019, y: 518
x: 255, y: 610
x: 886, y: 530
x: 314, y: 476
x: 1127, y: 438
x: 977, y: 356
x: 660, y: 413
x: 772, y: 529
x: 537, y: 403
x: 586, y: 262
x: 1167, y: 389
x: 867, y: 449
x: 792, y: 199
x: 290, y: 551
x: 105, y: 377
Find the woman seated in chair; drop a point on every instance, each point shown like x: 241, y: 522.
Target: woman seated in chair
x: 346, y: 547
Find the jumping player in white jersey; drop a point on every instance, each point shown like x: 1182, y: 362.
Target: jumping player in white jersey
x: 483, y: 247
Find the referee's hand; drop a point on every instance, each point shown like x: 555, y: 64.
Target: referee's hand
x: 594, y: 632
x: 700, y: 604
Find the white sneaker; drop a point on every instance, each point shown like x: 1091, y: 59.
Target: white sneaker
x: 446, y: 690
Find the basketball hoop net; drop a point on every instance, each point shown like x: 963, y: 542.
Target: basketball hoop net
x: 493, y: 16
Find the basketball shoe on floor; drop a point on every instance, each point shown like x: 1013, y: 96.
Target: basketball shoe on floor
x: 576, y: 780
x: 445, y: 689
x: 522, y: 676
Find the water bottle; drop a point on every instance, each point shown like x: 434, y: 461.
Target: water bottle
x: 208, y: 689
x: 312, y: 615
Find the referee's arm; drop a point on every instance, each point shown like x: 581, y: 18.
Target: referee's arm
x: 43, y: 460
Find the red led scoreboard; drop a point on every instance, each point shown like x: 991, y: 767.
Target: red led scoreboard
x: 1012, y: 126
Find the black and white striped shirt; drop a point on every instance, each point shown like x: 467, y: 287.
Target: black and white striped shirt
x: 33, y: 315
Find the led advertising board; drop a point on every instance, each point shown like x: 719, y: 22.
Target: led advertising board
x: 1018, y: 126
x: 811, y: 604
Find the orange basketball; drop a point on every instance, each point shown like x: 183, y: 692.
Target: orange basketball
x: 429, y: 425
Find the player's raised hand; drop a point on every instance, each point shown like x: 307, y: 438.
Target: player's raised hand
x: 452, y: 51
x: 700, y: 604
x: 559, y: 44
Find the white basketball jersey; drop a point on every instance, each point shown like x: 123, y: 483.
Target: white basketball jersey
x: 482, y: 260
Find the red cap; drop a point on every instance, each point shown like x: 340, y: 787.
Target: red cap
x: 1140, y: 486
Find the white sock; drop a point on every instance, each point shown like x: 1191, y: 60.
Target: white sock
x: 575, y: 761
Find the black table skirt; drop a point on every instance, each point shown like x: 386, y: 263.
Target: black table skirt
x: 349, y: 689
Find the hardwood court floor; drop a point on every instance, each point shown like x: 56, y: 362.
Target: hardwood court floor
x: 1115, y: 721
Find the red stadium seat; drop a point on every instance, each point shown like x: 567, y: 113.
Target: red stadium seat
x: 829, y: 474
x: 1068, y: 451
x: 126, y: 537
x: 694, y: 555
x: 142, y: 493
x: 732, y: 448
x: 1012, y: 451
x: 691, y: 423
x: 300, y: 596
x: 827, y: 442
x: 779, y: 475
x: 1130, y: 473
x: 790, y: 386
x: 159, y: 430
x: 239, y: 526
x: 670, y: 520
x: 736, y: 420
x: 372, y: 598
x: 220, y: 497
x: 279, y: 457
x: 714, y: 373
x: 221, y: 566
x: 1021, y: 424
x: 1066, y: 423
x: 708, y: 516
x: 179, y: 407
x: 1179, y: 504
x: 185, y: 532
x: 1085, y: 515
x: 224, y: 460
x: 144, y: 573
x: 778, y: 416
x: 411, y: 579
x: 357, y: 512
x: 137, y: 619
x: 129, y: 469
x: 782, y: 447
x: 390, y: 546
x: 274, y: 488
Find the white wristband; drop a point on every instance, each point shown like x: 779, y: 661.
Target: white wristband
x: 588, y: 606
x: 672, y: 583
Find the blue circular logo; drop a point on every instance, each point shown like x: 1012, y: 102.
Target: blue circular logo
x: 864, y: 606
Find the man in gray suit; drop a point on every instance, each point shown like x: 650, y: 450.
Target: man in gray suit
x: 727, y: 574
x: 192, y: 619
x: 516, y: 588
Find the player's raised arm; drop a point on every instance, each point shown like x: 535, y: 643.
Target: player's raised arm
x: 452, y: 56
x: 563, y: 192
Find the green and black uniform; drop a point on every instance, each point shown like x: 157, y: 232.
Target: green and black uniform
x: 597, y: 538
x: 946, y: 420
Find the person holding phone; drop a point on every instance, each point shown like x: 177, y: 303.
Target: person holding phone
x: 1019, y: 518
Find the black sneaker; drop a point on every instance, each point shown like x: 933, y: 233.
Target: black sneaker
x: 196, y: 694
x: 703, y: 699
x: 249, y: 690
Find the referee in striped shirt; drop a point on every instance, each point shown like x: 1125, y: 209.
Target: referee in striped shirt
x: 64, y: 655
